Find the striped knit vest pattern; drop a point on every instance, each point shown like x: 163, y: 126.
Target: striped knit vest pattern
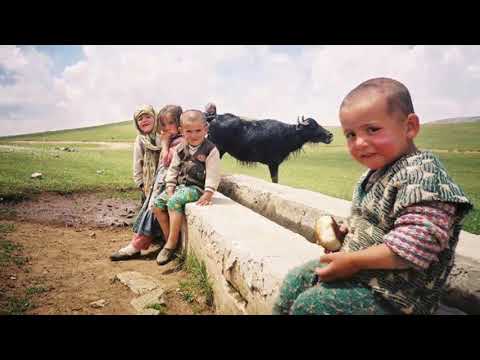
x: 192, y: 170
x: 412, y: 179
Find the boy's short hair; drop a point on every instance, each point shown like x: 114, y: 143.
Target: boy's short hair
x: 196, y: 115
x: 175, y: 110
x: 397, y: 95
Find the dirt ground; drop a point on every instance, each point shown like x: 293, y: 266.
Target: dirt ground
x: 65, y: 243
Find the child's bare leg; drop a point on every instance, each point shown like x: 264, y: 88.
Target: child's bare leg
x: 176, y: 219
x: 163, y: 220
x: 176, y: 207
x: 141, y: 242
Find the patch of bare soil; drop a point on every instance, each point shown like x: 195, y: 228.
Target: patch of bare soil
x: 73, y: 210
x: 65, y: 243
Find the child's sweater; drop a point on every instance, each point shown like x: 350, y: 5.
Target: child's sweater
x: 413, y: 179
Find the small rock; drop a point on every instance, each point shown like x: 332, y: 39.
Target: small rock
x: 151, y: 298
x: 37, y: 175
x: 92, y: 234
x: 13, y: 277
x: 98, y: 304
x: 137, y: 282
x: 150, y: 312
x: 100, y: 172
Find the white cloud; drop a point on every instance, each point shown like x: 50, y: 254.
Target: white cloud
x: 254, y: 81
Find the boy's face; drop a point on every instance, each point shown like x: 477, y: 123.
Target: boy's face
x: 169, y: 125
x: 376, y: 138
x: 194, y: 132
x: 146, y: 124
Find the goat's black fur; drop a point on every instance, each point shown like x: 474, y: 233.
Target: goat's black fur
x: 268, y: 141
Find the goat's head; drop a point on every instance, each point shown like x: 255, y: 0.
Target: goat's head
x: 312, y: 131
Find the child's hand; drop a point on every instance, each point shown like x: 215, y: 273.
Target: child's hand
x: 340, y: 266
x: 164, y: 157
x: 342, y: 231
x: 205, y: 199
x: 170, y: 191
x: 164, y: 137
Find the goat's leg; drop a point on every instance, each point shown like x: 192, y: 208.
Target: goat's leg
x: 273, y: 172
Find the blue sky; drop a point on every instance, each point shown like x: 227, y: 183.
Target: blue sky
x: 51, y: 87
x: 61, y: 55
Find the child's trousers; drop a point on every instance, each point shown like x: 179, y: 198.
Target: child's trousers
x: 182, y: 196
x: 301, y: 294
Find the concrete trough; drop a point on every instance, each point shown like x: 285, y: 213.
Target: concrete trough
x: 246, y: 255
x: 298, y: 209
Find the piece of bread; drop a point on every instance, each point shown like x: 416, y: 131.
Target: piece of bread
x: 325, y: 233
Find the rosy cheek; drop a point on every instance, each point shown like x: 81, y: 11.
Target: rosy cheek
x: 383, y: 142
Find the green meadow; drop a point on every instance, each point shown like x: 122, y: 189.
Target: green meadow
x: 323, y: 168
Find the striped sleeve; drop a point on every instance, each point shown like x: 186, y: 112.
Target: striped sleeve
x: 421, y: 232
x: 212, y: 164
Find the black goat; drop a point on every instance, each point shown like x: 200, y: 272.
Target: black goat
x: 268, y: 141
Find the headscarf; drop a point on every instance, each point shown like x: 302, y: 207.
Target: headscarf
x: 152, y: 151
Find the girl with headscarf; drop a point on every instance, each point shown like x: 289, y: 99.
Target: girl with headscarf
x: 152, y: 155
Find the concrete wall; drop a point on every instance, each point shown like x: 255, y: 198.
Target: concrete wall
x: 246, y: 255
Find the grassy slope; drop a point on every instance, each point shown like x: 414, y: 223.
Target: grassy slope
x: 463, y: 137
x: 121, y: 131
x: 323, y: 168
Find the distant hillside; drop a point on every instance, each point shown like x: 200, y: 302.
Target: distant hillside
x: 433, y: 135
x: 120, y: 131
x: 464, y: 119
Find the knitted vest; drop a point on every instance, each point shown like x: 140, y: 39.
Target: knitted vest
x: 414, y: 178
x: 192, y: 171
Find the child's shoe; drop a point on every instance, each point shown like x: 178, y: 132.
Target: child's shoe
x: 165, y: 256
x: 126, y: 253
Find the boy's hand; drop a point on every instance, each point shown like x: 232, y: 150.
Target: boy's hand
x: 205, y: 199
x: 170, y: 190
x: 342, y: 231
x: 164, y: 157
x: 340, y: 266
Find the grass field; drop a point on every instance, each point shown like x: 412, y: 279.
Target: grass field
x: 458, y: 137
x: 121, y: 131
x: 62, y: 171
x: 324, y: 168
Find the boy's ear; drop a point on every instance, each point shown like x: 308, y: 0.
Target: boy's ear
x: 413, y: 126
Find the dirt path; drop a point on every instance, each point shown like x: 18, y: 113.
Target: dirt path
x: 62, y: 264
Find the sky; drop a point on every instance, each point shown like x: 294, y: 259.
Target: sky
x: 53, y: 87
